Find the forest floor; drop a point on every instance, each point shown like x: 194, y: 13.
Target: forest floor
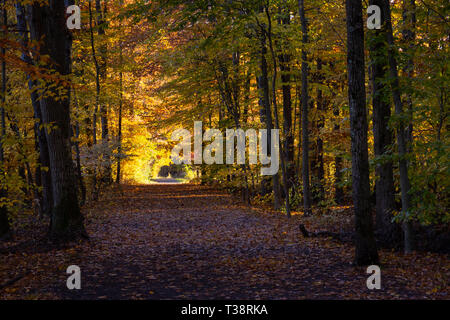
x: 191, y: 242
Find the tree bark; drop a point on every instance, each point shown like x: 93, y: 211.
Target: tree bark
x: 46, y: 199
x: 277, y: 123
x: 285, y: 68
x: 383, y: 137
x: 319, y: 171
x: 401, y: 133
x: 101, y: 20
x: 119, y: 138
x: 305, y: 124
x: 97, y: 75
x: 95, y: 187
x: 5, y: 229
x: 338, y: 189
x: 265, y: 111
x: 409, y: 36
x: 247, y: 86
x: 366, y: 249
x: 48, y: 22
x: 76, y: 132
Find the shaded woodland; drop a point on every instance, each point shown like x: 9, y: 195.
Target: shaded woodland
x: 363, y: 115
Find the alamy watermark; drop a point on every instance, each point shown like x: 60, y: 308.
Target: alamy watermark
x: 374, y: 281
x: 74, y: 20
x: 374, y: 17
x: 214, y: 152
x: 74, y: 280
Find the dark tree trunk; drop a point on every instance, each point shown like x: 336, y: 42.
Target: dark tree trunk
x: 45, y: 179
x: 119, y: 138
x: 44, y: 160
x: 366, y: 249
x: 409, y: 36
x: 285, y: 68
x: 5, y: 230
x: 305, y: 124
x: 277, y: 123
x: 81, y: 184
x: 102, y: 64
x: 78, y: 161
x: 95, y: 187
x: 405, y: 185
x: 119, y: 149
x: 338, y: 189
x: 387, y: 231
x: 48, y: 22
x: 300, y: 133
x: 265, y: 111
x: 101, y: 17
x: 246, y: 96
x: 319, y: 171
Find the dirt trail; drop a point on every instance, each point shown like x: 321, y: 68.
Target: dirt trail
x: 191, y: 242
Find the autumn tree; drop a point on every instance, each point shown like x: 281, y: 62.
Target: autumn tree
x: 382, y: 133
x: 4, y: 221
x: 49, y: 23
x: 305, y: 106
x: 402, y: 141
x: 366, y: 249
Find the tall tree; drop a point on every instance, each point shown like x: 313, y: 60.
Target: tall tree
x: 338, y: 189
x: 402, y: 142
x: 317, y: 161
x: 283, y: 151
x: 46, y: 199
x: 264, y: 102
x: 409, y: 35
x: 305, y: 122
x: 119, y: 135
x: 383, y: 135
x: 285, y: 59
x: 366, y: 249
x: 101, y: 26
x: 48, y: 22
x: 76, y: 143
x: 4, y: 221
x: 97, y: 97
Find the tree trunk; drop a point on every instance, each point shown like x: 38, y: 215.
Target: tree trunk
x: 401, y: 133
x: 48, y: 22
x: 95, y: 187
x: 265, y: 111
x: 246, y: 97
x: 383, y: 137
x: 305, y: 124
x: 366, y: 249
x: 101, y: 18
x: 102, y: 64
x: 338, y: 189
x: 285, y: 60
x: 119, y: 138
x: 409, y: 36
x: 46, y: 200
x: 5, y: 230
x: 277, y: 123
x: 319, y: 166
x: 81, y: 184
x: 300, y: 132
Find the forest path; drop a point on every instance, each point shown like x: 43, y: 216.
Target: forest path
x: 191, y: 242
